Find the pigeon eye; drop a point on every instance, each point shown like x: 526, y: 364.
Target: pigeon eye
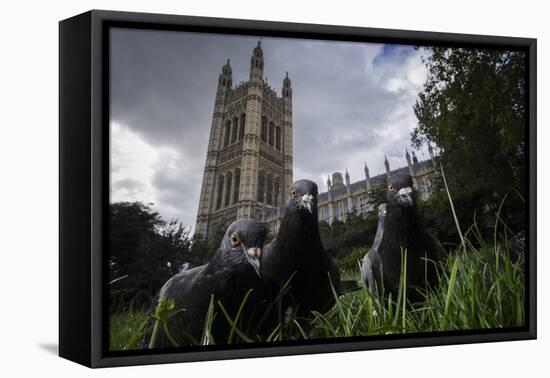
x: 293, y: 193
x: 235, y: 241
x: 391, y: 188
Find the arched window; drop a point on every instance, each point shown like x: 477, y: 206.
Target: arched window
x: 276, y: 191
x: 264, y: 129
x: 278, y: 138
x: 235, y: 130
x: 237, y: 185
x: 241, y: 128
x: 271, y: 133
x: 269, y: 190
x: 261, y: 187
x: 227, y: 132
x: 219, y: 192
x: 229, y: 181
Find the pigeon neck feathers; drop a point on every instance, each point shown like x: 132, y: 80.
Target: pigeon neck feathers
x: 401, y: 228
x: 299, y: 230
x: 299, y: 222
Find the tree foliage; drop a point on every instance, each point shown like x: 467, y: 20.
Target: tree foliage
x: 472, y: 107
x: 377, y: 195
x: 145, y: 251
x: 340, y: 238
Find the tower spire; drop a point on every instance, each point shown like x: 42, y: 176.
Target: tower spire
x: 257, y: 63
x: 387, y: 164
x: 367, y: 177
x: 225, y: 80
x: 287, y: 87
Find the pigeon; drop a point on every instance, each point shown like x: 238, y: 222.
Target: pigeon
x: 400, y: 230
x: 297, y: 260
x: 233, y: 271
x: 372, y: 261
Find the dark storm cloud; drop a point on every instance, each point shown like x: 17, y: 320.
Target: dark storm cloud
x: 352, y: 102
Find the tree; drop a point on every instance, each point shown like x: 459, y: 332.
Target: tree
x: 341, y: 238
x: 203, y: 249
x: 377, y: 195
x: 472, y: 107
x: 144, y: 251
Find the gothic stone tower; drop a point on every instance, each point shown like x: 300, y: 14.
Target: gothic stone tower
x: 249, y: 159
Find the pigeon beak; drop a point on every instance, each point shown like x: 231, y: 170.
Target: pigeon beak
x: 254, y: 255
x: 405, y: 196
x: 307, y: 202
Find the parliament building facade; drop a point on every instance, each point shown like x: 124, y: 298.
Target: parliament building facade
x: 342, y: 197
x: 249, y: 162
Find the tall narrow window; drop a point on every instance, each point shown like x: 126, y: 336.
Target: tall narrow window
x: 269, y: 190
x: 276, y: 191
x: 261, y: 187
x: 264, y: 129
x: 271, y: 133
x: 219, y: 192
x: 237, y: 185
x: 241, y: 127
x: 235, y: 130
x: 278, y: 138
x: 228, y: 182
x: 227, y: 132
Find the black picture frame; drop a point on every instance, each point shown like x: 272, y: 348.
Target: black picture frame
x: 84, y: 192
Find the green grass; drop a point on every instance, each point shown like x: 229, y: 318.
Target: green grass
x: 125, y: 329
x: 480, y: 287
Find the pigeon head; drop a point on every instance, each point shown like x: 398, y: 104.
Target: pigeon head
x: 243, y: 242
x: 303, y: 195
x: 400, y: 191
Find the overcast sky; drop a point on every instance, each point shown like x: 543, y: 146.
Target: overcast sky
x: 352, y: 102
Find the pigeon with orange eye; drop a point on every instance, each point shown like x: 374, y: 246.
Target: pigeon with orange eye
x: 303, y: 195
x: 400, y: 191
x: 401, y: 233
x: 296, y: 258
x: 231, y: 279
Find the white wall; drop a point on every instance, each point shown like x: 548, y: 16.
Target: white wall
x: 28, y: 190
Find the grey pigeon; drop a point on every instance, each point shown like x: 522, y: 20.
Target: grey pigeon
x: 400, y: 230
x: 232, y: 272
x: 297, y: 254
